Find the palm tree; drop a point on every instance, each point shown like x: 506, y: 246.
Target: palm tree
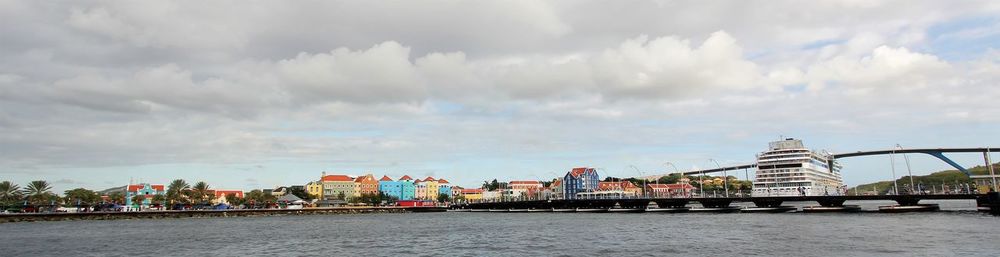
x: 37, y: 191
x: 201, y: 190
x: 176, y: 189
x: 159, y: 199
x: 9, y: 192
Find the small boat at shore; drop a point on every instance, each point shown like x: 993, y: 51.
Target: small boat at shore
x: 820, y: 209
x: 627, y: 210
x: 539, y: 210
x: 563, y: 210
x: 499, y: 210
x: 908, y: 208
x: 518, y: 210
x: 591, y: 210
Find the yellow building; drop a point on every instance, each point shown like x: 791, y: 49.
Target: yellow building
x: 472, y: 194
x: 430, y: 187
x: 315, y: 189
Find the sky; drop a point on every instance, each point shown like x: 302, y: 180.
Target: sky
x: 256, y: 94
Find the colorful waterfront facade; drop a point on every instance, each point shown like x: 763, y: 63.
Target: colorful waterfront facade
x: 444, y: 187
x: 390, y: 188
x: 336, y: 185
x: 366, y: 185
x: 315, y: 189
x: 407, y: 188
x: 144, y: 189
x: 579, y: 180
x: 427, y: 189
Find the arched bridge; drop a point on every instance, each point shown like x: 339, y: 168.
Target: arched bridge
x: 936, y: 152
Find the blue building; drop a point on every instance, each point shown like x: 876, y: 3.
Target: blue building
x: 390, y: 188
x: 580, y: 180
x: 408, y: 189
x: 444, y: 187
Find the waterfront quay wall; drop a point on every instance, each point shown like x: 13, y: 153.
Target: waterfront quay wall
x: 58, y: 216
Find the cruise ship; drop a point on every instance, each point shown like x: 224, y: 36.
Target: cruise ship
x: 787, y: 168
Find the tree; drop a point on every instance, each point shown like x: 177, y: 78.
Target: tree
x: 81, y: 196
x: 233, y: 200
x: 200, y: 190
x: 137, y: 200
x: 341, y: 196
x: 175, y: 191
x: 670, y: 179
x: 116, y: 197
x: 9, y: 193
x: 300, y: 193
x: 38, y: 192
x: 158, y: 199
x: 442, y: 198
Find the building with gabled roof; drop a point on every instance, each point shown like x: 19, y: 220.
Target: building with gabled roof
x: 580, y: 180
x: 337, y: 186
x: 366, y: 185
x: 144, y: 189
x: 390, y: 188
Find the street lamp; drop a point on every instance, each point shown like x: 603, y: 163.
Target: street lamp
x: 725, y: 176
x: 643, y: 180
x: 675, y: 171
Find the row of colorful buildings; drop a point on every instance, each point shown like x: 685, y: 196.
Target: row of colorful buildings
x: 405, y: 188
x: 148, y: 191
x: 576, y: 183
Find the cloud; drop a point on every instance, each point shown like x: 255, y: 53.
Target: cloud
x: 451, y: 88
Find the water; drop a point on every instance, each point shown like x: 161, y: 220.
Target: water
x: 518, y: 234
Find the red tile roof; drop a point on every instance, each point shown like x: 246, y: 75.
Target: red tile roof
x: 336, y: 178
x: 472, y: 191
x: 442, y: 181
x: 406, y: 177
x: 364, y: 178
x: 219, y: 193
x: 136, y: 187
x: 429, y: 179
x: 576, y: 172
x: 524, y: 182
x: 385, y: 178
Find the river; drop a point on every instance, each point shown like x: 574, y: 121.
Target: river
x: 946, y: 233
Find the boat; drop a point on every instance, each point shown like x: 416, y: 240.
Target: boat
x: 778, y: 209
x: 845, y: 208
x: 626, y: 210
x: 517, y: 210
x: 499, y: 210
x: 591, y: 210
x: 563, y: 210
x: 539, y: 210
x: 908, y: 208
x: 788, y: 168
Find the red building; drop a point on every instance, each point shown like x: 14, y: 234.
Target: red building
x: 415, y: 203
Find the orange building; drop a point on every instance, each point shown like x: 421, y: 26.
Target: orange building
x: 366, y: 184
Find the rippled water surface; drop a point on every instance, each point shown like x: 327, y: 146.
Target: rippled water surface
x: 950, y: 233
